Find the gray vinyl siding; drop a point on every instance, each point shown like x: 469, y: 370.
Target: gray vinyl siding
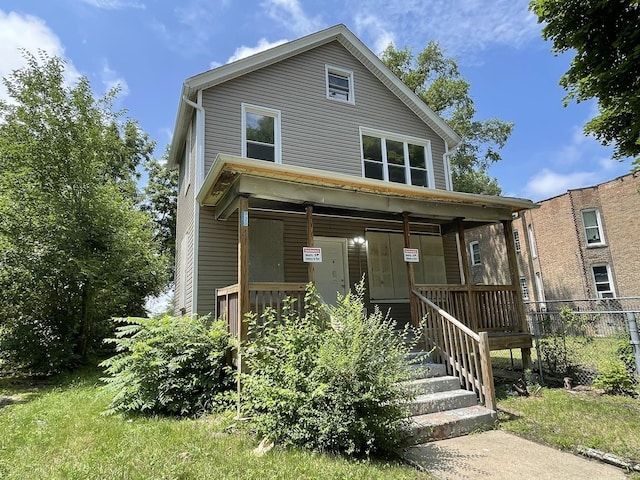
x: 316, y: 132
x: 183, y: 285
x: 218, y: 251
x: 217, y: 257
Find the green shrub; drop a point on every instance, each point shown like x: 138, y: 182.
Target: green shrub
x: 614, y: 378
x: 329, y: 381
x: 169, y: 365
x: 34, y: 347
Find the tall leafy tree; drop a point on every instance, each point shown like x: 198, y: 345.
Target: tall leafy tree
x: 437, y: 81
x: 161, y: 201
x: 76, y: 249
x: 605, y: 36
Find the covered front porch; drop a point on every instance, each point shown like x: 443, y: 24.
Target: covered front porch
x: 409, y: 241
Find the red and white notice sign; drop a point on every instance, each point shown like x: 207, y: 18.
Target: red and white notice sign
x: 411, y: 255
x: 312, y: 254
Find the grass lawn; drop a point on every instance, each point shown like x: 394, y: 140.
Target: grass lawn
x: 570, y: 420
x: 55, y: 430
x: 588, y: 353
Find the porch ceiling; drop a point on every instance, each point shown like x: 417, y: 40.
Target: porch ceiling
x: 270, y: 185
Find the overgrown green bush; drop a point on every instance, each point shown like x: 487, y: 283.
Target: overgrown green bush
x: 168, y: 365
x: 614, y: 378
x: 330, y: 380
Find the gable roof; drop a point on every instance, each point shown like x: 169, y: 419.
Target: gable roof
x: 279, y: 53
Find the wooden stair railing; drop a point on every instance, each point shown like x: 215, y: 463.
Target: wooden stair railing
x: 464, y: 352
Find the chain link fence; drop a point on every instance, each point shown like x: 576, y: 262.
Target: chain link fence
x: 580, y: 338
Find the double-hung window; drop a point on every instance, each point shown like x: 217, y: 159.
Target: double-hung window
x: 474, y: 251
x: 339, y: 84
x: 516, y: 241
x: 602, y: 281
x: 524, y: 288
x: 592, y: 227
x: 396, y: 158
x: 261, y: 133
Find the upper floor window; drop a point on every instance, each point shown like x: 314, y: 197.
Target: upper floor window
x: 516, y: 241
x: 602, y: 281
x: 261, y: 133
x: 339, y: 84
x: 474, y: 250
x: 592, y: 227
x: 396, y: 158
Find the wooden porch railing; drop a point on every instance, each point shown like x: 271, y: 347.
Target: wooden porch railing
x: 262, y: 295
x: 465, y: 353
x: 482, y: 308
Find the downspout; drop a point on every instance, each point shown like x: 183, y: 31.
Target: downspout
x: 199, y: 176
x: 448, y: 181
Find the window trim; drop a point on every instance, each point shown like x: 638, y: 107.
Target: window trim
x: 532, y: 241
x: 277, y: 138
x: 472, y: 255
x: 342, y: 72
x: 598, y: 224
x: 612, y: 289
x: 405, y: 139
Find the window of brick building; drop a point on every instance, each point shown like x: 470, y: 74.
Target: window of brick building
x: 516, y: 240
x: 524, y: 288
x: 602, y: 281
x: 592, y: 227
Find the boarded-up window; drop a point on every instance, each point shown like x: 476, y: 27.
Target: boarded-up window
x: 266, y: 250
x: 388, y: 278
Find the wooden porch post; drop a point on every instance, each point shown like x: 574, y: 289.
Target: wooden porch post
x: 310, y: 266
x: 466, y: 269
x: 244, y: 301
x: 412, y: 282
x: 515, y: 283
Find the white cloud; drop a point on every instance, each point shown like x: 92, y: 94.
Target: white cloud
x: 31, y: 34
x: 262, y: 45
x: 111, y: 79
x: 375, y: 28
x: 114, y: 4
x: 463, y: 27
x: 290, y: 15
x: 547, y: 183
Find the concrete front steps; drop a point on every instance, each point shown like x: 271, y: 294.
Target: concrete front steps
x: 441, y: 409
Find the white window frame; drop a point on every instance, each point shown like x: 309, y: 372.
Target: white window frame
x: 532, y: 242
x: 611, y: 290
x: 524, y: 288
x: 269, y: 112
x: 598, y: 226
x: 341, y: 72
x: 473, y: 253
x: 406, y: 140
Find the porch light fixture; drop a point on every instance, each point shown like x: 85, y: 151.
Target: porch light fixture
x: 358, y: 240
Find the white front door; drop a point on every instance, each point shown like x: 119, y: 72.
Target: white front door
x: 332, y: 275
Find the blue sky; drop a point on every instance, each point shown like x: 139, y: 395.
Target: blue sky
x: 150, y: 46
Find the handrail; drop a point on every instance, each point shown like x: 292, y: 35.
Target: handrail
x: 446, y: 315
x: 466, y: 353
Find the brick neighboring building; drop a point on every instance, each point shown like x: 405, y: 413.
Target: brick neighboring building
x: 581, y: 244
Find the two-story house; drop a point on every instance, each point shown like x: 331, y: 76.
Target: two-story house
x: 311, y: 161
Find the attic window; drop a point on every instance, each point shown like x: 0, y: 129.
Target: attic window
x: 339, y: 84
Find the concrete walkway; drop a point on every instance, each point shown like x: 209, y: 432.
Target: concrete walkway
x: 498, y: 455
